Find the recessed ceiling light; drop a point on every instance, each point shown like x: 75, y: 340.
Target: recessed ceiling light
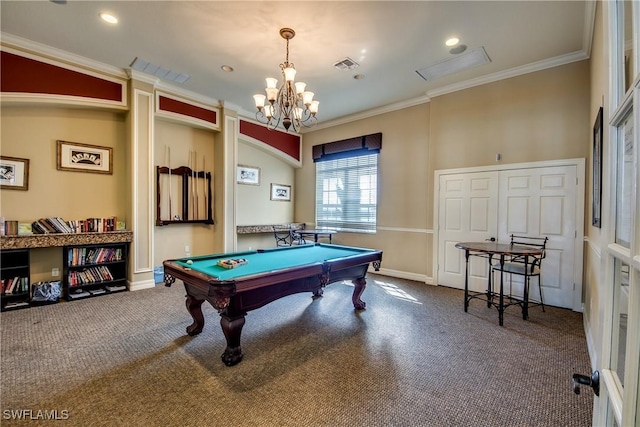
x: 227, y: 68
x: 458, y: 49
x: 452, y: 41
x: 109, y: 18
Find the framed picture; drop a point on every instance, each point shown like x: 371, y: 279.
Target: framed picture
x: 596, y: 207
x: 281, y: 192
x: 76, y: 157
x: 248, y: 175
x: 14, y: 173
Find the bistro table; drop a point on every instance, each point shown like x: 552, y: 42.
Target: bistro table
x: 489, y: 250
x: 316, y: 233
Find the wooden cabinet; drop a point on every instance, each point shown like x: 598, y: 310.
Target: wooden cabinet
x: 14, y: 273
x: 91, y: 270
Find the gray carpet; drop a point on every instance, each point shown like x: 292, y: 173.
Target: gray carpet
x: 412, y: 358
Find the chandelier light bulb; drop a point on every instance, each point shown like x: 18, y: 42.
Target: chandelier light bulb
x: 272, y: 93
x: 259, y: 100
x: 314, y: 107
x: 289, y: 74
x: 272, y: 83
x: 300, y: 87
x: 307, y: 97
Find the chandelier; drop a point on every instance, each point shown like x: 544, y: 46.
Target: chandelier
x: 290, y: 104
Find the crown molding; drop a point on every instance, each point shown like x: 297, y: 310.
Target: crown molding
x: 589, y: 24
x: 370, y: 113
x: 59, y: 56
x: 513, y: 72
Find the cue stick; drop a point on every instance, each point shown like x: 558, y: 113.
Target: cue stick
x: 204, y: 186
x: 194, y: 186
x: 190, y: 197
x: 169, y: 167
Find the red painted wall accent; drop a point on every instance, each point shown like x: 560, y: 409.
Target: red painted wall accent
x: 179, y: 107
x: 25, y: 75
x: 285, y: 142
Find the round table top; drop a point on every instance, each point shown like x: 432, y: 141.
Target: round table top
x: 498, y: 248
x: 305, y: 231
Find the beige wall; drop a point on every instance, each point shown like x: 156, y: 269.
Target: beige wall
x: 31, y: 133
x: 170, y: 240
x: 534, y: 117
x: 254, y: 204
x: 402, y: 189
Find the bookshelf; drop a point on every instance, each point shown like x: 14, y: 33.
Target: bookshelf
x: 95, y: 269
x: 14, y: 273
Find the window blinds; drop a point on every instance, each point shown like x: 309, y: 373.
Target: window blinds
x: 347, y: 192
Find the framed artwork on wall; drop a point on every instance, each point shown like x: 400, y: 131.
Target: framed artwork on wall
x: 596, y: 206
x: 248, y: 175
x: 281, y: 192
x: 14, y: 173
x: 77, y: 157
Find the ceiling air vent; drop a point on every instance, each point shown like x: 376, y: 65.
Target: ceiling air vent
x: 346, y: 64
x: 458, y: 63
x: 156, y: 70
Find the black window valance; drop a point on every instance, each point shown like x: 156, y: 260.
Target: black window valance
x: 352, y: 147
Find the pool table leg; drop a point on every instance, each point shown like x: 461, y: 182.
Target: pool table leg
x: 360, y: 285
x: 232, y: 329
x: 194, y: 307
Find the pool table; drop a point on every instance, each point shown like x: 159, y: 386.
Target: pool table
x: 261, y: 277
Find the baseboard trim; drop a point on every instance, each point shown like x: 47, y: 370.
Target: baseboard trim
x: 404, y: 275
x: 142, y: 284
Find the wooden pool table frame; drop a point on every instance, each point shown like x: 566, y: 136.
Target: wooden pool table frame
x: 234, y: 298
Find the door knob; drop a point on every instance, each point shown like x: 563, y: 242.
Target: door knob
x: 491, y: 239
x: 593, y: 381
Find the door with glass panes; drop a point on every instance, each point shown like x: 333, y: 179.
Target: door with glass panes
x: 618, y: 361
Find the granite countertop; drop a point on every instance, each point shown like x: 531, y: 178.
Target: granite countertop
x: 267, y: 228
x: 63, y: 239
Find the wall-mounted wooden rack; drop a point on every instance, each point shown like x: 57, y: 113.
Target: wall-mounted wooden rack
x: 190, y: 189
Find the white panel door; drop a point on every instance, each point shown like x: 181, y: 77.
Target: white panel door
x: 541, y: 202
x: 467, y: 213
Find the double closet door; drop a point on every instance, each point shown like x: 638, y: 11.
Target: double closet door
x: 533, y: 200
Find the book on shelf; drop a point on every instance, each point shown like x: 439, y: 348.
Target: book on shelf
x: 25, y: 229
x: 16, y: 304
x: 78, y: 293
x: 16, y: 285
x: 115, y: 288
x: 10, y: 228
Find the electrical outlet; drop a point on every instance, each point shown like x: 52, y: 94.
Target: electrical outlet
x: 186, y: 249
x: 55, y: 272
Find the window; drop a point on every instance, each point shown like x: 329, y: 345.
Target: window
x: 347, y: 193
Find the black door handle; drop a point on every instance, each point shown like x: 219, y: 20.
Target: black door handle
x: 593, y: 381
x: 491, y: 239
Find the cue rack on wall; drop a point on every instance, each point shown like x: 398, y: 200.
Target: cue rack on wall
x: 188, y: 196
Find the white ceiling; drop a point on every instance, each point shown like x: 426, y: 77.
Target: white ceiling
x: 390, y: 40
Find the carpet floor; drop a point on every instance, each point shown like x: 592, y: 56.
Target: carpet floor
x: 412, y: 358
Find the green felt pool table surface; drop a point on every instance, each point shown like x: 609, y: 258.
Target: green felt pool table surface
x: 268, y: 260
